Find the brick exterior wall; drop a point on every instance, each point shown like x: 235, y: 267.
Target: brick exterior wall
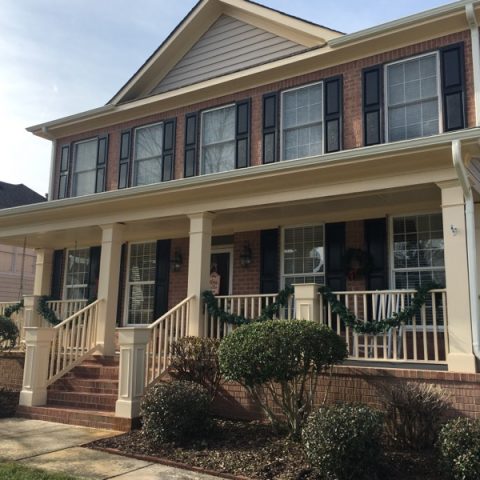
x: 178, y: 280
x: 363, y: 385
x: 246, y: 280
x: 11, y: 370
x: 352, y: 94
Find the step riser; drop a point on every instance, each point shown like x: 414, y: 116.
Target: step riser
x: 85, y: 390
x: 66, y: 384
x: 91, y: 372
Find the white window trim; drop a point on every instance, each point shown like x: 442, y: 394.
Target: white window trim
x: 391, y: 263
x: 281, y: 120
x: 134, y: 153
x: 200, y: 158
x: 282, y: 251
x: 74, y: 173
x: 125, y: 322
x: 226, y: 249
x: 439, y: 90
x: 65, y: 273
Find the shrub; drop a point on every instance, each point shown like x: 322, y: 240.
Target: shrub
x: 414, y: 413
x: 343, y: 442
x: 459, y: 448
x: 174, y: 412
x: 278, y: 361
x: 8, y: 333
x: 195, y: 359
x: 8, y: 402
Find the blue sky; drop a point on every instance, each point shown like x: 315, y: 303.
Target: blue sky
x: 59, y: 57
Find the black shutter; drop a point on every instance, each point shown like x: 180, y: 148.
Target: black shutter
x: 376, y: 244
x: 335, y: 256
x: 270, y: 127
x: 57, y: 270
x: 64, y: 169
x: 169, y: 129
x: 122, y: 283
x: 453, y: 87
x: 94, y: 272
x: 162, y: 277
x: 242, y: 151
x: 124, y: 161
x: 333, y: 114
x: 190, y: 159
x: 102, y: 155
x: 269, y: 261
x: 372, y: 105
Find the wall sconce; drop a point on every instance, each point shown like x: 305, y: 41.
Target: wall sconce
x: 246, y: 256
x: 454, y: 230
x: 177, y: 261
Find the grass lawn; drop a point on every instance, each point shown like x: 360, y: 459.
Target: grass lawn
x: 14, y: 471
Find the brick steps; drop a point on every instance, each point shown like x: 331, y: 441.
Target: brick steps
x: 91, y: 385
x: 93, y: 401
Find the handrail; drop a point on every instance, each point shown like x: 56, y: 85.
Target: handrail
x: 165, y: 315
x: 74, y: 339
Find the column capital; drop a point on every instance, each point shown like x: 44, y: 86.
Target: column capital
x: 112, y: 232
x: 202, y: 216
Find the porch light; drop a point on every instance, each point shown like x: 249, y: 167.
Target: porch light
x: 177, y: 261
x: 246, y: 256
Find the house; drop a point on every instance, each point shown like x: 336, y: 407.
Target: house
x: 251, y: 151
x: 17, y: 266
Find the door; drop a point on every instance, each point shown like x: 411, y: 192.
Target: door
x: 221, y: 271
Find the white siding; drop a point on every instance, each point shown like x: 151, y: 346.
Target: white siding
x: 228, y: 46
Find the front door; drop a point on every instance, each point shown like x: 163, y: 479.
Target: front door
x: 221, y: 271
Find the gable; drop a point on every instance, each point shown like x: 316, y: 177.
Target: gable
x: 229, y: 45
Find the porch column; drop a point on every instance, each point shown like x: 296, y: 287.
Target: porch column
x: 460, y: 357
x: 43, y: 272
x: 199, y: 267
x: 108, y: 284
x: 307, y: 306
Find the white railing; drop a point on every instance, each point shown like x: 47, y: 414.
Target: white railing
x: 66, y: 308
x: 249, y: 306
x: 169, y: 328
x: 73, y: 340
x: 18, y: 318
x: 423, y: 340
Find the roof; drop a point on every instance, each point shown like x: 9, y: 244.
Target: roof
x: 16, y: 195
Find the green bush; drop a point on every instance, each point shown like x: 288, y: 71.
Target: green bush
x: 414, y: 414
x: 278, y: 361
x: 195, y: 359
x: 343, y: 442
x: 8, y: 402
x: 459, y: 448
x: 175, y: 412
x: 8, y: 333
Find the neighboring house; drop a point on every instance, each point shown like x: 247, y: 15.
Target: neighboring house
x: 17, y: 265
x: 255, y: 150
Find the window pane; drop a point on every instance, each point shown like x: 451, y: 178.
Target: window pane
x: 218, y: 158
x: 85, y: 164
x: 148, y: 171
x: 77, y: 273
x: 142, y: 262
x: 148, y: 154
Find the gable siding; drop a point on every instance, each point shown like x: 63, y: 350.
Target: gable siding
x: 228, y: 46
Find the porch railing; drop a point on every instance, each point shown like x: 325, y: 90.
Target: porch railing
x: 17, y: 317
x: 423, y: 340
x: 66, y: 308
x: 250, y: 306
x: 73, y: 340
x: 170, y: 327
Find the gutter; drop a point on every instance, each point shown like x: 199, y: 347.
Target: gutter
x: 471, y: 244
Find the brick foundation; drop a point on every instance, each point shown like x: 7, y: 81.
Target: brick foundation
x: 11, y: 370
x: 361, y: 385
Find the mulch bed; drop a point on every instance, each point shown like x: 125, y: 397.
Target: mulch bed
x: 250, y: 449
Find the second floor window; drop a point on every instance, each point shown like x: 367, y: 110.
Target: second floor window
x: 412, y: 98
x: 85, y: 168
x: 148, y: 156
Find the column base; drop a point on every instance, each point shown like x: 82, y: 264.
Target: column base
x: 127, y: 408
x: 462, y: 362
x: 30, y: 398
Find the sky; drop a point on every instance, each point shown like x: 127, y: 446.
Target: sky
x: 60, y: 57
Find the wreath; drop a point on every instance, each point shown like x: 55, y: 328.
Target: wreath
x: 358, y: 263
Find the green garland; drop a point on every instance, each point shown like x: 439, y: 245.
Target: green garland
x: 268, y: 312
x: 378, y: 326
x: 10, y: 310
x: 46, y: 312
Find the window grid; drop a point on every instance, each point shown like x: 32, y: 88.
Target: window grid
x: 77, y: 274
x: 148, y: 154
x: 85, y: 167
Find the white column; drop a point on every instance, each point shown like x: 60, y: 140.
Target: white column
x: 133, y: 344
x: 199, y: 267
x: 108, y: 284
x: 307, y: 306
x: 35, y: 371
x: 31, y: 317
x: 460, y: 357
x: 43, y: 272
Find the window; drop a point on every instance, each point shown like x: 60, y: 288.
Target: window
x: 418, y: 250
x: 141, y: 283
x: 303, y: 255
x: 77, y: 274
x: 7, y: 261
x: 302, y: 122
x: 85, y: 168
x: 412, y: 98
x: 218, y: 140
x: 148, y: 154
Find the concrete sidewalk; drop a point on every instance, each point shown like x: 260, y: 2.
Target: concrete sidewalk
x: 56, y: 447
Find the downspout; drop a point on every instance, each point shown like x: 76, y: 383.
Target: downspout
x: 471, y: 244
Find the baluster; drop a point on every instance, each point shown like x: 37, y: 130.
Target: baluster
x: 423, y: 313
x: 434, y: 327
x: 414, y: 333
x: 153, y: 347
